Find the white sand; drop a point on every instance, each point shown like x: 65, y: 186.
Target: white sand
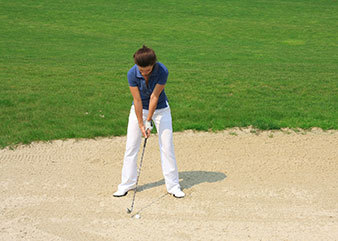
x: 246, y: 186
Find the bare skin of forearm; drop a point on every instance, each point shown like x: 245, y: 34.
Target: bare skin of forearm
x: 152, y: 107
x: 139, y: 113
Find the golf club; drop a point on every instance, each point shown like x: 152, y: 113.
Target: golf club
x: 129, y: 210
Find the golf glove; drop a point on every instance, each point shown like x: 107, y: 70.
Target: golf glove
x: 149, y: 125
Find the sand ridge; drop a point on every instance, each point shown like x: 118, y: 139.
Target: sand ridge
x: 240, y: 184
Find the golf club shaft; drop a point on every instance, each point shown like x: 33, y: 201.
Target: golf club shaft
x: 138, y: 175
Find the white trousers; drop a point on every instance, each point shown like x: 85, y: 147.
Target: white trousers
x: 163, y: 122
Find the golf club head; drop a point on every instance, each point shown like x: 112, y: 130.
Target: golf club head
x: 128, y: 210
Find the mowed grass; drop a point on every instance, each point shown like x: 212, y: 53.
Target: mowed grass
x: 63, y: 64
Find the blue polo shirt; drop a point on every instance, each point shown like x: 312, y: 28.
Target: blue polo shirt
x: 159, y: 75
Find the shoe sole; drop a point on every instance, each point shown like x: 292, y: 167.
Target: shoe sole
x: 178, y: 197
x: 175, y: 195
x: 120, y: 195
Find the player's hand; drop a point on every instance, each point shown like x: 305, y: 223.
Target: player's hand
x: 148, y: 127
x: 144, y: 132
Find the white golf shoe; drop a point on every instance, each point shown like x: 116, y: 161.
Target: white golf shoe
x: 178, y: 193
x: 120, y: 193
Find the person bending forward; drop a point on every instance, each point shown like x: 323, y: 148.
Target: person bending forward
x: 147, y: 79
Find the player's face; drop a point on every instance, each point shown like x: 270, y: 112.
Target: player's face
x: 146, y: 71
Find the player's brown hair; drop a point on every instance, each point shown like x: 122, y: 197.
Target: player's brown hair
x: 145, y: 57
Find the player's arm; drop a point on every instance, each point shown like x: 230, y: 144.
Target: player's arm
x: 153, y: 100
x: 138, y: 107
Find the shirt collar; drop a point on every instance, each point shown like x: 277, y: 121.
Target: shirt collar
x: 154, y: 73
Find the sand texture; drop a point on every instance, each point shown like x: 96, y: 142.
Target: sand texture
x: 239, y: 185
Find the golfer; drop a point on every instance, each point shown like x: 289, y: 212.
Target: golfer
x: 147, y: 79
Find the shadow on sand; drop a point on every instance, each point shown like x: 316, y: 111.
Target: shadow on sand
x: 189, y: 179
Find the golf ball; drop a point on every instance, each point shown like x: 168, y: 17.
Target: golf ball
x: 137, y: 216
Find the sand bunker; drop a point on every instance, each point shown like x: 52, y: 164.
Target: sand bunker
x: 239, y: 185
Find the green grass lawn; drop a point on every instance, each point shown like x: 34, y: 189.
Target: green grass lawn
x: 63, y: 64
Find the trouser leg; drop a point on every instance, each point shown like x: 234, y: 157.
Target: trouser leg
x: 129, y: 169
x: 163, y: 122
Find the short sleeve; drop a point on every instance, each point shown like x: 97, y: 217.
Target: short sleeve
x: 132, y: 80
x: 163, y: 76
